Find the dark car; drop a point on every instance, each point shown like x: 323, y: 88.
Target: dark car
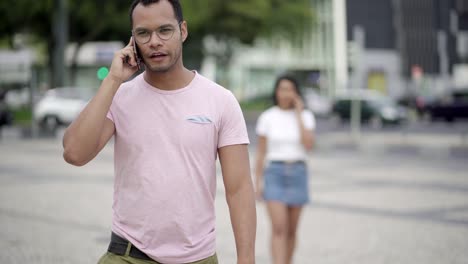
x: 377, y: 110
x: 6, y: 116
x: 419, y: 103
x: 450, y: 107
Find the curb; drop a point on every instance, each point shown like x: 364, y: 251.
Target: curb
x: 424, y: 145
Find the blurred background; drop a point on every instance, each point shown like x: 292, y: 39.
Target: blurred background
x: 386, y: 79
x: 399, y: 62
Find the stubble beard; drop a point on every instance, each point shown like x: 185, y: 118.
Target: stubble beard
x: 166, y: 68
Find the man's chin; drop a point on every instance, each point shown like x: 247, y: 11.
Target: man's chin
x: 157, y: 69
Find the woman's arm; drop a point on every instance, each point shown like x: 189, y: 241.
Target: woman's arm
x: 259, y: 165
x: 307, y: 136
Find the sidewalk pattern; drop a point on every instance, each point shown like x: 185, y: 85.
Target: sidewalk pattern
x: 367, y: 207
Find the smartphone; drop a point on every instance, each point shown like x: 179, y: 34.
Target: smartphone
x: 137, y: 54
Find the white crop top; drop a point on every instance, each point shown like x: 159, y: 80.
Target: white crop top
x: 281, y: 128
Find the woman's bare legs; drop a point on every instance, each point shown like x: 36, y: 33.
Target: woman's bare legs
x: 294, y: 214
x: 279, y: 231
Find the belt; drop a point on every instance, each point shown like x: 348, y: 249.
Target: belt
x: 286, y: 162
x: 119, y: 246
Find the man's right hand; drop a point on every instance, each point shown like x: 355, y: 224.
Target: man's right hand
x: 124, y: 64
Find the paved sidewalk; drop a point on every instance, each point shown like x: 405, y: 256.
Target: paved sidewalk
x: 368, y: 207
x: 420, y: 144
x: 426, y: 139
x: 394, y: 142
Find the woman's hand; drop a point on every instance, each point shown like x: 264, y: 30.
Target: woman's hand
x: 298, y: 104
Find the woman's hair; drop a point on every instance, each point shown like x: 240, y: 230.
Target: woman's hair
x: 288, y: 78
x: 175, y: 6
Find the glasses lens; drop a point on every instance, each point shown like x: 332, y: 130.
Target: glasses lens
x: 142, y: 36
x: 166, y: 33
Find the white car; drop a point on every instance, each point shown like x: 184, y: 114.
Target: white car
x: 320, y: 105
x: 60, y: 106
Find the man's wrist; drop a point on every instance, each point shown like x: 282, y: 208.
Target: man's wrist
x: 113, y: 79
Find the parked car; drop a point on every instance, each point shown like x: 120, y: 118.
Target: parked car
x: 451, y: 106
x: 378, y: 110
x: 60, y: 106
x: 6, y: 116
x: 418, y: 102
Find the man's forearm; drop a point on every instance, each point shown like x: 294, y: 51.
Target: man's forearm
x: 244, y: 222
x: 82, y: 136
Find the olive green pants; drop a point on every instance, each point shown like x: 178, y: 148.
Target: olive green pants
x: 111, y: 258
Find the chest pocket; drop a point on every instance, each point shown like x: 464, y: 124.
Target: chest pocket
x: 199, y: 133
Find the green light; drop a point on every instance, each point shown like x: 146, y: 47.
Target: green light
x: 102, y: 73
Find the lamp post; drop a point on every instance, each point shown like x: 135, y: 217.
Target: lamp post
x: 60, y: 33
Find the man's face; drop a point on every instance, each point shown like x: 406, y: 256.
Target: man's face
x: 159, y: 55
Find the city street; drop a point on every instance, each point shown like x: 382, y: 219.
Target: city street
x: 386, y: 81
x: 368, y: 206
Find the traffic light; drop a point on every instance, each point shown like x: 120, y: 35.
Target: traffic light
x: 102, y: 73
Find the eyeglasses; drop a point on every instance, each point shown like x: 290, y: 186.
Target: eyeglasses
x: 143, y: 35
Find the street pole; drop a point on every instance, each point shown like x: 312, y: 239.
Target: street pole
x: 60, y: 32
x: 443, y: 57
x: 359, y: 41
x: 32, y: 92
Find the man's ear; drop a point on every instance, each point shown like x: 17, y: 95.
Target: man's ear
x: 184, y: 30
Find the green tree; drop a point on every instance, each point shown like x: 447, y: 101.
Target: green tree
x: 242, y: 21
x: 96, y: 20
x: 228, y: 22
x: 88, y: 20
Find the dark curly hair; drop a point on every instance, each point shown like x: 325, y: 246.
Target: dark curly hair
x: 176, y: 6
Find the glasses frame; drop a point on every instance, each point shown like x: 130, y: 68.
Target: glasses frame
x: 157, y: 33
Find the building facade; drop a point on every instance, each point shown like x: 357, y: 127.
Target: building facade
x: 408, y: 46
x: 319, y: 59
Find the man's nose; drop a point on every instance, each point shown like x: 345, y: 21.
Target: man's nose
x: 155, y: 40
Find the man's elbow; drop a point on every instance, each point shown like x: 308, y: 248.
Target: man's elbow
x: 73, y: 158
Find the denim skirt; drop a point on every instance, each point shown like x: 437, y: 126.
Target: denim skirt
x: 287, y: 183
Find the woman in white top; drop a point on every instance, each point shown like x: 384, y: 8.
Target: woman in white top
x: 285, y: 134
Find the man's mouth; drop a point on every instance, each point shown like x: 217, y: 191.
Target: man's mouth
x: 157, y: 55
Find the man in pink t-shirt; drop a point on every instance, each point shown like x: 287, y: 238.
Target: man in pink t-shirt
x: 169, y: 125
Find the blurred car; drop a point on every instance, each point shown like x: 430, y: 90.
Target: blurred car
x: 451, y: 106
x: 378, y: 110
x: 320, y: 105
x: 6, y: 116
x: 419, y: 103
x: 60, y: 106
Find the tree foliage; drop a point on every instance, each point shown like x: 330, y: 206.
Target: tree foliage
x: 245, y: 20
x: 242, y: 21
x: 227, y: 21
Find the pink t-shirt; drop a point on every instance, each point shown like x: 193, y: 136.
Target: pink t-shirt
x: 166, y: 146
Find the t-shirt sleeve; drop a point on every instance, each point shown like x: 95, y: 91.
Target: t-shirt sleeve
x: 111, y: 112
x: 308, y: 119
x: 109, y: 115
x: 233, y: 130
x: 262, y: 126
